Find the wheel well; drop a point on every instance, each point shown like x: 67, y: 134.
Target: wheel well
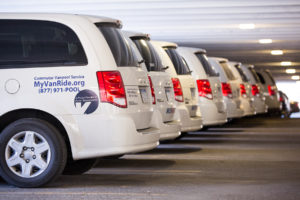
x: 12, y: 116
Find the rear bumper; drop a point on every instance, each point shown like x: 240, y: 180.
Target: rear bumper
x: 232, y: 110
x: 260, y: 106
x: 272, y: 103
x: 247, y: 107
x: 211, y: 115
x: 187, y: 123
x: 167, y: 130
x: 94, y: 136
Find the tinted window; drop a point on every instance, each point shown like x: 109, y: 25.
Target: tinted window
x: 119, y: 46
x: 253, y: 72
x: 270, y: 76
x: 241, y: 72
x: 180, y: 65
x: 209, y: 70
x: 261, y: 78
x: 227, y: 70
x: 32, y: 43
x: 152, y: 60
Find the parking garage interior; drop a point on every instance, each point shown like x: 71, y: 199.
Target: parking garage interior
x: 249, y: 158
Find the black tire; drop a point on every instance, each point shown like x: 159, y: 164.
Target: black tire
x: 183, y: 134
x: 56, y: 145
x: 114, y: 157
x: 77, y: 167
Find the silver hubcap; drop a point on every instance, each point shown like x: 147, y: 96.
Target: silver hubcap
x: 27, y: 154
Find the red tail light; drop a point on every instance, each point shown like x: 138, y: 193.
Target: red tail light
x: 177, y: 90
x: 226, y: 89
x: 204, y: 89
x: 271, y: 91
x: 281, y: 99
x: 111, y: 88
x: 243, y: 90
x: 152, y: 90
x: 255, y: 90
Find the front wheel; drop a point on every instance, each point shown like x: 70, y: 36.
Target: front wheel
x: 32, y: 153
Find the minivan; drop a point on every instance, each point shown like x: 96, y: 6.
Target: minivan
x: 270, y: 91
x: 187, y: 110
x: 162, y: 91
x: 230, y: 87
x: 210, y: 97
x: 256, y: 89
x: 245, y: 88
x: 72, y: 90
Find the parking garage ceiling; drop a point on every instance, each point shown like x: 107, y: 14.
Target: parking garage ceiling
x: 213, y: 25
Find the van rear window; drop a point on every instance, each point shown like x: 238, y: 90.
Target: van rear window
x: 271, y: 77
x: 35, y: 43
x: 152, y: 60
x: 179, y: 63
x: 227, y: 70
x: 241, y: 72
x: 253, y: 72
x: 119, y: 46
x: 261, y: 78
x: 209, y: 70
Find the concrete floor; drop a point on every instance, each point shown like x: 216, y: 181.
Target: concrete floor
x: 256, y: 158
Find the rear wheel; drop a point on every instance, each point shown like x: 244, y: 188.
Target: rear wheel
x: 76, y: 167
x: 32, y: 153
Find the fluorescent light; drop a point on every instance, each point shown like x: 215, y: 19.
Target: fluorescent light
x: 265, y: 41
x: 296, y: 77
x: 247, y: 26
x: 276, y: 52
x: 286, y: 63
x: 290, y: 71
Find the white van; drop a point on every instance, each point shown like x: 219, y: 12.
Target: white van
x: 187, y: 111
x: 71, y: 91
x: 245, y: 88
x: 256, y: 89
x: 210, y: 97
x: 270, y: 91
x: 161, y: 87
x: 230, y: 87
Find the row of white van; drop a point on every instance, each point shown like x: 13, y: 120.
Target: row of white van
x: 75, y: 88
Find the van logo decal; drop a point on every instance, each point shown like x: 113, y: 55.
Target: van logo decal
x: 87, y: 101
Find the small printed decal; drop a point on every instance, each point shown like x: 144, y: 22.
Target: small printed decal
x: 59, y: 84
x: 87, y: 100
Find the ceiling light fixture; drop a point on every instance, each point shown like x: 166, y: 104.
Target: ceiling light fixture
x: 286, y: 63
x: 247, y: 26
x: 290, y: 71
x: 265, y: 41
x: 276, y: 52
x: 296, y: 77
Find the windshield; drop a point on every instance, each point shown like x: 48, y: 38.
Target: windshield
x: 227, y: 70
x: 241, y: 72
x: 209, y: 70
x: 119, y: 46
x: 180, y: 65
x: 152, y: 60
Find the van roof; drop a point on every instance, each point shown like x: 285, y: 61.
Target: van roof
x: 248, y: 65
x: 133, y: 34
x: 58, y: 17
x: 194, y: 50
x: 166, y: 44
x: 219, y: 59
